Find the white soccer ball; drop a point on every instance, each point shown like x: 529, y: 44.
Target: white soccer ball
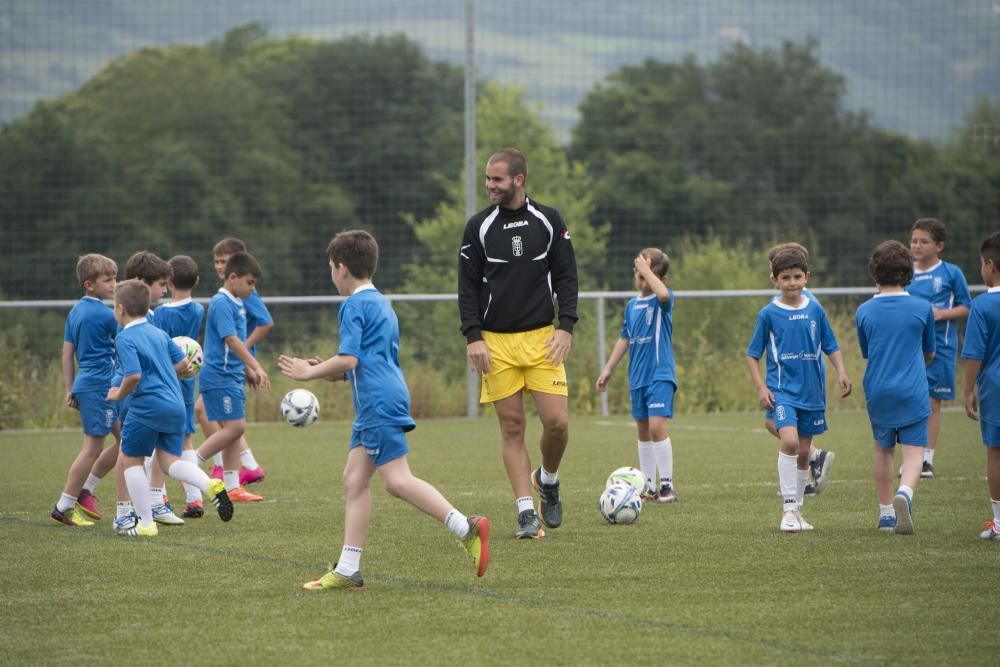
x: 628, y: 475
x: 300, y: 407
x: 620, y: 503
x: 191, y: 350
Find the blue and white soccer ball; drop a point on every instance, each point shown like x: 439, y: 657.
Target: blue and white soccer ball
x: 191, y: 350
x: 621, y: 503
x: 300, y: 407
x: 628, y: 475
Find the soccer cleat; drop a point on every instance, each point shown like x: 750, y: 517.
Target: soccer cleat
x: 649, y: 496
x: 820, y: 469
x: 138, y: 530
x: 927, y: 471
x: 123, y: 524
x: 216, y: 472
x: 220, y: 498
x: 887, y: 523
x: 248, y: 476
x: 792, y: 522
x: 991, y: 532
x: 195, y: 509
x: 87, y: 502
x: 71, y: 517
x: 335, y: 580
x: 666, y: 494
x: 164, y: 513
x: 241, y: 495
x: 810, y: 490
x: 549, y: 505
x: 477, y: 543
x: 903, y: 506
x: 528, y: 526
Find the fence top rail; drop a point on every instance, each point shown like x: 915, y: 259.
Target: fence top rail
x: 330, y: 298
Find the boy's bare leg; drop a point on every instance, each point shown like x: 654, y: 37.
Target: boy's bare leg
x: 400, y: 482
x: 885, y: 461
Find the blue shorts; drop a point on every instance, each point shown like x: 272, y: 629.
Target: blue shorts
x: 941, y: 379
x: 654, y: 400
x: 189, y: 419
x: 382, y: 443
x: 911, y: 434
x: 769, y: 415
x: 991, y: 434
x: 97, y: 414
x: 807, y: 422
x: 140, y: 440
x: 225, y: 404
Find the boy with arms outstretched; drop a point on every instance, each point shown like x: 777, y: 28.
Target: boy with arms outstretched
x: 943, y: 286
x: 795, y: 332
x: 896, y: 332
x: 182, y: 316
x: 368, y: 358
x: 149, y: 363
x: 646, y: 335
x: 981, y: 352
x: 89, y: 340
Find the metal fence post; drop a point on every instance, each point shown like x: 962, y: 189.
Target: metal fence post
x: 601, y: 351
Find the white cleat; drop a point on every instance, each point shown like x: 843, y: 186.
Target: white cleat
x: 163, y: 513
x: 792, y: 522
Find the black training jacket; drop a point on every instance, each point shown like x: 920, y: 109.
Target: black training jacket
x: 514, y: 264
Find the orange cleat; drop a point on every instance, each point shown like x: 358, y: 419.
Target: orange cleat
x: 241, y: 495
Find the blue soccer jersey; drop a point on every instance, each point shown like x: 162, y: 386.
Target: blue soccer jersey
x: 982, y: 341
x: 91, y: 328
x: 156, y: 402
x: 257, y: 315
x: 794, y: 339
x: 648, y: 328
x: 226, y: 317
x: 943, y: 286
x: 369, y: 332
x: 896, y: 330
x: 182, y: 318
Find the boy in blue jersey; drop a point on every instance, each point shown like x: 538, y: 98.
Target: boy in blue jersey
x: 228, y: 364
x: 368, y: 357
x: 982, y: 371
x: 646, y: 335
x: 88, y: 340
x: 150, y: 363
x: 259, y: 323
x: 794, y: 331
x: 896, y: 332
x: 182, y: 316
x: 944, y: 287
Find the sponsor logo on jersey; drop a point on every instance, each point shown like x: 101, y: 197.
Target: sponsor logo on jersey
x: 517, y: 246
x: 799, y: 316
x: 518, y: 223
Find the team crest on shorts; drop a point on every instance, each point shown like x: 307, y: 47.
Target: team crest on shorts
x: 227, y: 404
x: 109, y: 417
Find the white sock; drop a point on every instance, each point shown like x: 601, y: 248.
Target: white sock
x: 138, y: 489
x: 217, y: 459
x: 546, y: 477
x: 525, y: 503
x: 231, y: 478
x: 647, y: 464
x: 904, y: 489
x: 996, y: 513
x: 664, y: 451
x: 65, y: 502
x: 155, y: 496
x: 928, y: 455
x: 801, y: 479
x: 349, y: 562
x: 147, y: 464
x: 886, y: 510
x: 189, y: 473
x: 787, y: 472
x: 191, y: 492
x: 248, y: 461
x: 91, y: 483
x: 457, y: 523
x: 197, y: 455
x: 814, y: 454
x: 123, y: 508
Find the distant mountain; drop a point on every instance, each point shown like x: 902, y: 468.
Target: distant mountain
x: 916, y: 65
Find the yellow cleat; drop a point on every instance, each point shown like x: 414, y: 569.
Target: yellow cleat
x: 335, y: 580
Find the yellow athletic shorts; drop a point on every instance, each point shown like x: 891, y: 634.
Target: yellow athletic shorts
x: 517, y: 361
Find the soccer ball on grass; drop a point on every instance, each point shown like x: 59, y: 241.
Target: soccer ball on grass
x: 620, y: 503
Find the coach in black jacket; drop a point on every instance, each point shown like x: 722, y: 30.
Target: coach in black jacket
x: 515, y: 263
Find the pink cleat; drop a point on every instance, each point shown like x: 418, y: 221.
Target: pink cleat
x: 216, y: 472
x: 88, y: 503
x: 248, y: 476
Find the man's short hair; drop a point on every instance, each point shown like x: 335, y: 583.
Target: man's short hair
x: 516, y: 162
x: 134, y: 295
x: 228, y: 247
x: 356, y: 249
x: 891, y: 264
x: 773, y: 252
x: 990, y: 249
x: 242, y: 264
x: 932, y: 226
x: 93, y: 266
x: 147, y: 267
x: 184, y: 271
x: 659, y: 262
x: 789, y: 258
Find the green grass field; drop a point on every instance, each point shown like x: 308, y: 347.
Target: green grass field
x: 709, y: 580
